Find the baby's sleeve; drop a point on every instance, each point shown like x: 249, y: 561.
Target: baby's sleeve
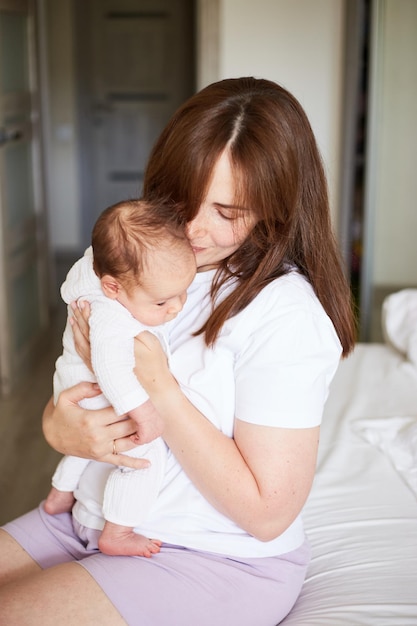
x: 112, y: 354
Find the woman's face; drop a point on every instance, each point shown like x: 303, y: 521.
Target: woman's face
x: 219, y: 227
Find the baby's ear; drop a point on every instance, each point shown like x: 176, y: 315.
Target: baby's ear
x: 110, y: 286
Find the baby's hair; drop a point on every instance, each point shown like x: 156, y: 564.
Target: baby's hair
x: 126, y: 231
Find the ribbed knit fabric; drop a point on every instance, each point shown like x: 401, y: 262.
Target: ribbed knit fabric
x: 130, y: 494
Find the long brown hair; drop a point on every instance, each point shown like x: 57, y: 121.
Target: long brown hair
x: 278, y: 174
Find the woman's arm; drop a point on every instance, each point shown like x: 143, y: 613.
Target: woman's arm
x: 260, y: 479
x: 96, y: 435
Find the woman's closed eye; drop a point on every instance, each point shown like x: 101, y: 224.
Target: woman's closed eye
x: 227, y: 215
x: 231, y: 212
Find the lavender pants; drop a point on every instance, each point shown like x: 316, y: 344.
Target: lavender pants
x: 176, y: 586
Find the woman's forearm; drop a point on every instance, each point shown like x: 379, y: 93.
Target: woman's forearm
x: 259, y: 493
x: 260, y: 478
x: 210, y: 459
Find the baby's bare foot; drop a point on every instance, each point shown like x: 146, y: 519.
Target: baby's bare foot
x: 59, y: 501
x: 118, y: 540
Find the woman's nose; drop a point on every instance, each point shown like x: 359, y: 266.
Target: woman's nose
x: 196, y: 227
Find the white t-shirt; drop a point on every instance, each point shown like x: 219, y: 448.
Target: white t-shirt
x: 271, y: 365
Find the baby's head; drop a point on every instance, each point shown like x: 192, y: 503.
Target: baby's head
x: 143, y: 259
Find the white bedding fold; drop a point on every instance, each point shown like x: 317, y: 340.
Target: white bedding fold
x: 361, y: 517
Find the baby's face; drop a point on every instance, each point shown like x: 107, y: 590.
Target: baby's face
x: 163, y: 290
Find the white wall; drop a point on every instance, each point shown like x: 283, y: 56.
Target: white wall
x: 394, y: 209
x: 299, y: 44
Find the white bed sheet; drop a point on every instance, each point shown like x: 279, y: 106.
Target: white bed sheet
x: 361, y: 517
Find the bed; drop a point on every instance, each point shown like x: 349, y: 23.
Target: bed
x: 361, y: 517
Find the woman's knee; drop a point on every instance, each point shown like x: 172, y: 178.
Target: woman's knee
x: 15, y: 562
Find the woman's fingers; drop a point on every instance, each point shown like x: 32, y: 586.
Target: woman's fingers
x: 98, y: 435
x: 81, y: 312
x: 105, y: 436
x: 61, y: 423
x: 124, y: 438
x: 81, y: 330
x: 116, y: 456
x: 73, y: 395
x: 73, y: 430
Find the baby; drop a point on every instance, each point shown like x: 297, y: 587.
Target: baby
x: 135, y: 277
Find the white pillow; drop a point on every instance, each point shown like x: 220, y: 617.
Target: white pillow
x: 397, y: 438
x: 399, y: 322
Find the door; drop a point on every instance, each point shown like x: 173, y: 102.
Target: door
x: 23, y: 249
x: 378, y: 214
x: 136, y: 66
x: 390, y: 216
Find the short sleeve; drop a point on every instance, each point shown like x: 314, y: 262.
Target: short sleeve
x: 284, y: 370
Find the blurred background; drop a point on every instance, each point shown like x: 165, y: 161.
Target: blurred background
x: 85, y: 88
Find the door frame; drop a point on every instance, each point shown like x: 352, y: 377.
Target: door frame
x: 14, y: 259
x: 200, y: 8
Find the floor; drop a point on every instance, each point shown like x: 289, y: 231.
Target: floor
x: 27, y: 462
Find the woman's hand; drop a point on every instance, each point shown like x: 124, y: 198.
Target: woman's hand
x: 96, y: 435
x: 81, y: 331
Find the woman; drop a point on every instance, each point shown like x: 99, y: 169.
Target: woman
x: 253, y: 353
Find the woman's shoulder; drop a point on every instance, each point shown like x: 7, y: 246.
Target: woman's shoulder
x: 289, y: 293
x: 285, y: 308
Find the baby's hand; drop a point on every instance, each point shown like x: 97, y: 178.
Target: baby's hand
x: 149, y: 424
